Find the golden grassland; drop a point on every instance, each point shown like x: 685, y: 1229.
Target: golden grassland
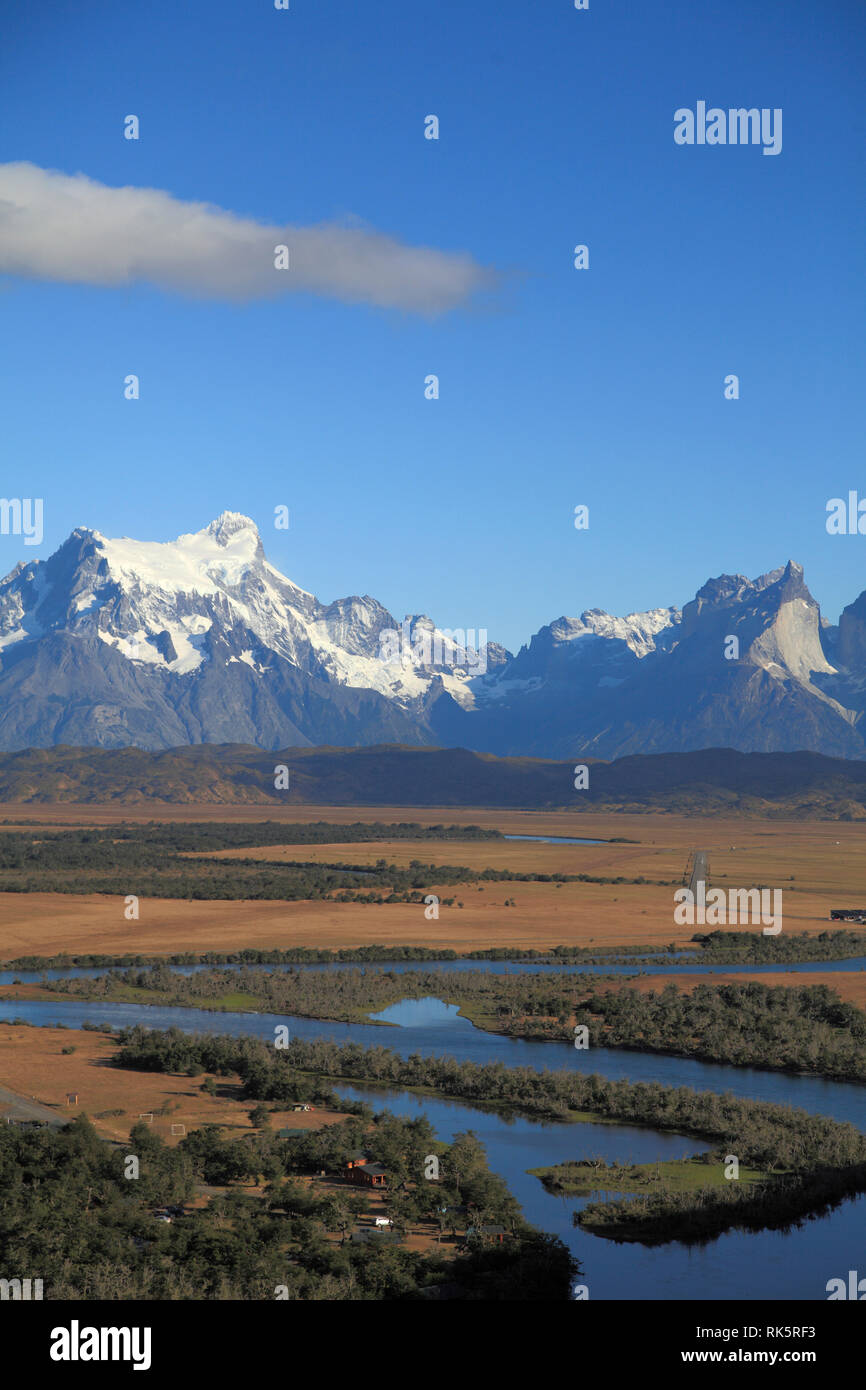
x: 33, y: 1064
x: 816, y: 864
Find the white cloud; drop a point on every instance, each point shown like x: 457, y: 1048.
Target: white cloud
x: 71, y: 229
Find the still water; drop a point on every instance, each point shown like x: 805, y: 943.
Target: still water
x: 489, y: 967
x: 555, y: 840
x: 767, y: 1265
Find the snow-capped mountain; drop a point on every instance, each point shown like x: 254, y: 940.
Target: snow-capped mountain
x: 747, y: 664
x: 155, y: 602
x: 596, y: 644
x: 134, y: 628
x: 201, y: 640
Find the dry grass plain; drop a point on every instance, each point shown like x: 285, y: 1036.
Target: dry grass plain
x: 818, y: 865
x: 33, y: 1064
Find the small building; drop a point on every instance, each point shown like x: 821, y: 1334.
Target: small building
x: 366, y: 1174
x: 296, y: 1108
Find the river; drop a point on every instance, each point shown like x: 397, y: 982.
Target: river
x: 766, y: 1265
x: 690, y: 962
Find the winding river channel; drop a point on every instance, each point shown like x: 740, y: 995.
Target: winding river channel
x: 646, y: 966
x: 767, y: 1265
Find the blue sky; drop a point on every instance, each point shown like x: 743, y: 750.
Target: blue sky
x: 558, y: 387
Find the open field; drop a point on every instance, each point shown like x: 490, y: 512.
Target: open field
x: 521, y: 856
x: 817, y: 866
x: 45, y: 924
x: 543, y: 916
x: 821, y: 859
x: 32, y: 1063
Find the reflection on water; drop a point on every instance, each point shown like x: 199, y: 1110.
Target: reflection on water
x: 423, y: 1013
x: 755, y: 1266
x: 443, y: 1033
x: 766, y: 1265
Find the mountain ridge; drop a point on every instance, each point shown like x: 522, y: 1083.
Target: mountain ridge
x: 715, y: 781
x: 112, y: 643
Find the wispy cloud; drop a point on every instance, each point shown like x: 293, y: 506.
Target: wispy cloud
x: 71, y: 229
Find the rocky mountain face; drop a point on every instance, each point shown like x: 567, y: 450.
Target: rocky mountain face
x: 746, y: 665
x: 120, y: 642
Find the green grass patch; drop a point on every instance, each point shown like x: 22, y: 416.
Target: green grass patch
x: 581, y: 1177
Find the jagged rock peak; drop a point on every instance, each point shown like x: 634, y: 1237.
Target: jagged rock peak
x: 733, y: 587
